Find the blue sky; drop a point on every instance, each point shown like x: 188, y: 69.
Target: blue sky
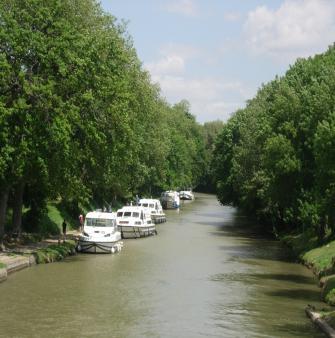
x: 217, y: 53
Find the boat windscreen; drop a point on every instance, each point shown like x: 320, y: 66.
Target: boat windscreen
x: 151, y: 205
x: 136, y: 214
x: 99, y: 222
x: 127, y: 214
x: 119, y: 214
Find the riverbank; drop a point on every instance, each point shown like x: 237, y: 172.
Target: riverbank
x: 19, y: 256
x: 205, y: 274
x: 321, y: 260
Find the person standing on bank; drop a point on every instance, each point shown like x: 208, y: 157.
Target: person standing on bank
x: 64, y: 230
x: 81, y: 223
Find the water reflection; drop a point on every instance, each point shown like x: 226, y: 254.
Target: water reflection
x: 205, y: 275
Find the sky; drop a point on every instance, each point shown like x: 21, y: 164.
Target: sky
x: 217, y: 53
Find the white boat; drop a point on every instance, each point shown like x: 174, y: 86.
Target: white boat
x: 170, y: 200
x: 135, y: 222
x: 186, y: 195
x: 100, y: 233
x: 154, y: 208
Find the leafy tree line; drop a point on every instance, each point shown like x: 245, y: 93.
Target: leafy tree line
x: 210, y: 130
x: 80, y: 119
x: 276, y: 157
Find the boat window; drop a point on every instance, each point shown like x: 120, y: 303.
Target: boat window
x: 145, y: 205
x: 152, y: 205
x: 136, y: 214
x: 119, y: 214
x: 98, y: 222
x: 127, y: 214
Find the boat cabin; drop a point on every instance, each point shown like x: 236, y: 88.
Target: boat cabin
x: 100, y: 223
x: 132, y: 216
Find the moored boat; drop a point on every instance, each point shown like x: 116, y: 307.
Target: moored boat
x: 154, y: 208
x: 170, y: 200
x: 186, y: 195
x: 135, y: 222
x: 100, y: 233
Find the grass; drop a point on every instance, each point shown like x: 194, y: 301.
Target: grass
x: 55, y: 252
x: 328, y: 290
x: 307, y: 248
x: 301, y: 243
x: 321, y: 259
x: 53, y: 220
x: 329, y: 316
x: 2, y: 265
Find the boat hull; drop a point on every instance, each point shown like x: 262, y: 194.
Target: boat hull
x: 99, y: 247
x: 137, y: 231
x: 158, y: 218
x: 187, y: 198
x: 170, y: 205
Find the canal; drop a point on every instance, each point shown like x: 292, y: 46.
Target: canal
x: 206, y: 274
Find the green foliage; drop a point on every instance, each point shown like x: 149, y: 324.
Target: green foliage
x: 80, y: 120
x: 55, y: 252
x: 321, y: 259
x: 210, y: 131
x: 328, y: 290
x: 2, y: 265
x: 300, y: 242
x: 275, y: 158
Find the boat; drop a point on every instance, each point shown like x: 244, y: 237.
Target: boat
x: 170, y: 199
x: 135, y: 222
x: 100, y: 233
x: 186, y: 195
x: 154, y: 208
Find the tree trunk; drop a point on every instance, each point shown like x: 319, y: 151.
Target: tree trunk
x: 3, y: 209
x: 318, y: 320
x: 17, y: 208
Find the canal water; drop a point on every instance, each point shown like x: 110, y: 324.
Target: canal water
x: 206, y: 274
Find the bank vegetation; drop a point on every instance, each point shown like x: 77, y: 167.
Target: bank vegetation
x: 275, y: 159
x: 80, y: 119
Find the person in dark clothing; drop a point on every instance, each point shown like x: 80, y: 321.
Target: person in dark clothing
x: 64, y: 230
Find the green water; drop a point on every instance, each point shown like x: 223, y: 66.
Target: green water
x: 204, y: 275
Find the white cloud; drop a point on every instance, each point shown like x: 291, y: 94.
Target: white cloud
x: 211, y: 97
x: 172, y: 59
x: 298, y: 28
x: 183, y: 7
x: 171, y: 64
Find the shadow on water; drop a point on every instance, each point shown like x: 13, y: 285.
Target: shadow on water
x: 295, y: 294
x: 212, y: 223
x: 241, y: 232
x: 295, y: 328
x: 248, y: 277
x: 212, y: 215
x: 299, y: 279
x: 257, y: 250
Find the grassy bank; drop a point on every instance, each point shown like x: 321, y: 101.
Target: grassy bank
x: 319, y: 258
x: 55, y: 252
x: 56, y: 212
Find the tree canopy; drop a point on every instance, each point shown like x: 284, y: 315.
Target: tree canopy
x: 79, y: 117
x: 275, y: 158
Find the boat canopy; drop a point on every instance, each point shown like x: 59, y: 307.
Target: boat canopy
x: 100, y: 219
